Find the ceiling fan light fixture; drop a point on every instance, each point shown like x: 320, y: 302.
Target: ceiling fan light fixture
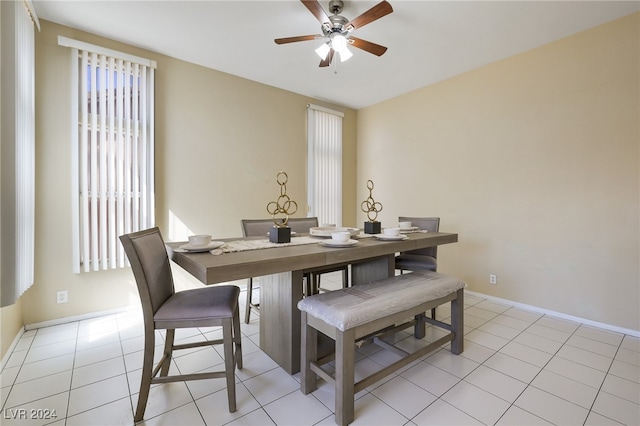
x: 345, y: 54
x: 339, y: 43
x: 323, y: 50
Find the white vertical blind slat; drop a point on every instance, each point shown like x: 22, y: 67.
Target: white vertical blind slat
x: 120, y: 144
x: 150, y: 115
x: 93, y: 166
x: 84, y: 166
x: 135, y: 151
x: 127, y: 148
x: 111, y: 190
x: 143, y: 150
x: 102, y: 194
x: 75, y: 172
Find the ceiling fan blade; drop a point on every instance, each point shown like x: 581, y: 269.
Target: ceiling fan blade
x: 317, y: 10
x: 298, y: 38
x: 370, y: 47
x: 327, y: 61
x: 376, y: 12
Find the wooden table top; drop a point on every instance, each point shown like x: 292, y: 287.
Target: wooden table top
x: 212, y: 269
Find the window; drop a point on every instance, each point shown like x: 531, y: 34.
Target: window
x: 18, y: 148
x: 113, y: 152
x: 324, y: 168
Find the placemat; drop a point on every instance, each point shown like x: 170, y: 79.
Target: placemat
x: 243, y: 245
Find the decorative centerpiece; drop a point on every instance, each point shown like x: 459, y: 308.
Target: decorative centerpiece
x: 371, y: 208
x: 281, y: 233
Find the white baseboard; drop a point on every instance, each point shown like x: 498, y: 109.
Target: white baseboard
x: 59, y: 321
x: 635, y: 333
x: 90, y: 315
x: 9, y: 351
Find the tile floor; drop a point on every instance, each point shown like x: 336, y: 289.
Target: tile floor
x: 518, y: 368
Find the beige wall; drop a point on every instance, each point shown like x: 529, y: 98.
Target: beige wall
x: 534, y: 161
x: 220, y: 141
x: 10, y: 325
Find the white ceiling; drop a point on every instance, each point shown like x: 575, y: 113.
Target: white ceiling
x: 428, y: 41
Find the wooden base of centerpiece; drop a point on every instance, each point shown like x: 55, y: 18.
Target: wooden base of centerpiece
x: 280, y: 234
x: 372, y: 227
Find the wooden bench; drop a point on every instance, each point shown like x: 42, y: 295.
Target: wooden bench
x: 365, y: 312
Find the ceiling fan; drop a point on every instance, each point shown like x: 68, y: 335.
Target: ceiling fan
x: 337, y: 30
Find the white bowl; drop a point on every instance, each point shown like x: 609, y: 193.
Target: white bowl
x: 404, y: 225
x: 391, y: 231
x: 341, y: 236
x: 353, y: 231
x: 199, y: 240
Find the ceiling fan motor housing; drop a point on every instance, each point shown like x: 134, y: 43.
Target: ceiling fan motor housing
x: 337, y: 25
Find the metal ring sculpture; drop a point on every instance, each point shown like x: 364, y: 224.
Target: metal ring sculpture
x: 284, y: 204
x: 370, y: 206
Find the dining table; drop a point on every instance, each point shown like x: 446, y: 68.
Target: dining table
x: 281, y: 269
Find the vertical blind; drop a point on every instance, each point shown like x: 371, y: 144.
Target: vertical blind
x: 324, y: 154
x: 18, y: 148
x: 114, y: 152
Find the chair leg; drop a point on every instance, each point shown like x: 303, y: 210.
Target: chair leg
x: 309, y: 354
x: 345, y: 277
x: 237, y: 338
x: 147, y: 369
x: 229, y: 362
x: 168, y: 352
x: 247, y: 311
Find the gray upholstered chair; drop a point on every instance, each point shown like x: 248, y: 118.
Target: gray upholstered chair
x: 421, y: 259
x: 165, y: 309
x: 302, y: 225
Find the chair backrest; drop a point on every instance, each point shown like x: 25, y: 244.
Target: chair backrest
x: 256, y: 227
x: 151, y: 268
x: 302, y: 224
x: 260, y: 227
x: 427, y: 223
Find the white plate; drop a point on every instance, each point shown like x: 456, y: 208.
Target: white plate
x: 390, y: 237
x: 409, y: 229
x: 332, y: 243
x: 325, y: 231
x: 197, y: 249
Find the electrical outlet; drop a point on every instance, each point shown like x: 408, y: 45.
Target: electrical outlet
x: 62, y: 296
x: 493, y: 279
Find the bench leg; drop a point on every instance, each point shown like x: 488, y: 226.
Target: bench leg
x: 457, y: 323
x: 309, y: 353
x: 345, y: 377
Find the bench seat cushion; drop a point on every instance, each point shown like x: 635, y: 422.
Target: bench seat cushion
x: 350, y: 307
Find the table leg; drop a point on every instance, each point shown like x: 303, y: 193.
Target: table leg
x: 279, y: 314
x: 280, y: 318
